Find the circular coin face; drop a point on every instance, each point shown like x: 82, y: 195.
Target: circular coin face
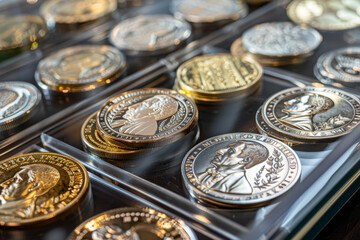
x: 37, y: 187
x: 240, y: 169
x: 281, y: 39
x: 312, y: 113
x: 133, y: 223
x: 76, y: 11
x: 18, y: 101
x: 150, y: 34
x: 80, y: 68
x: 21, y: 31
x: 342, y: 65
x: 325, y: 15
x: 147, y: 117
x: 219, y: 76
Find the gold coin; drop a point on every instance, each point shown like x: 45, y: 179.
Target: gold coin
x: 76, y: 11
x: 329, y: 15
x: 38, y: 187
x: 220, y: 76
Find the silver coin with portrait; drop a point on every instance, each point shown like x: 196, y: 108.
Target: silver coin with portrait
x: 312, y: 113
x: 240, y: 169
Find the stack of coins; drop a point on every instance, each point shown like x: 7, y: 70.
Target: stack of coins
x: 277, y: 43
x: 340, y: 68
x: 308, y: 115
x: 240, y: 170
x: 218, y: 78
x: 138, y: 122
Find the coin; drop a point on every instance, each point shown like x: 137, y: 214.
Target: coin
x: 18, y: 101
x: 39, y: 187
x: 147, y: 117
x: 80, y: 68
x: 150, y: 34
x: 22, y: 31
x: 76, y: 11
x: 133, y: 223
x: 329, y: 15
x: 220, y: 76
x: 312, y: 113
x: 240, y: 169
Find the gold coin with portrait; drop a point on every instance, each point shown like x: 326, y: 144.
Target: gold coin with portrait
x: 148, y: 117
x: 39, y: 187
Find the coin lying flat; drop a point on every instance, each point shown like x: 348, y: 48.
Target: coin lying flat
x: 18, y: 101
x: 80, y: 68
x: 147, y: 118
x: 325, y: 15
x: 150, y: 34
x: 76, y: 11
x: 22, y: 31
x: 39, y: 187
x: 133, y: 223
x: 312, y: 113
x: 242, y: 169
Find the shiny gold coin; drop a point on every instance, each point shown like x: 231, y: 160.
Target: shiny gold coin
x: 220, y: 76
x: 76, y: 11
x: 22, y: 31
x: 38, y: 187
x: 329, y: 15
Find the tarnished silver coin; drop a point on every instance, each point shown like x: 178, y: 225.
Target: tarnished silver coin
x: 341, y: 65
x: 133, y: 224
x: 240, y: 169
x: 80, y: 68
x: 150, y: 34
x: 281, y: 39
x: 312, y: 113
x: 147, y: 117
x: 18, y: 100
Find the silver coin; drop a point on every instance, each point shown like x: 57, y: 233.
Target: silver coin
x: 240, y: 169
x: 150, y: 34
x: 312, y: 113
x: 80, y: 68
x: 18, y: 101
x: 281, y: 39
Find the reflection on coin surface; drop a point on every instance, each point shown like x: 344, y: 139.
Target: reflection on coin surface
x: 312, y: 113
x: 147, y: 117
x: 280, y: 39
x: 150, y: 34
x: 37, y: 187
x: 218, y: 75
x: 341, y: 65
x: 131, y: 224
x: 240, y: 169
x: 21, y: 31
x: 18, y: 101
x: 325, y: 15
x: 76, y: 11
x: 80, y: 68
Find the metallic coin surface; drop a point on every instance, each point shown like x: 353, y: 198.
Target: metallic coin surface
x: 240, y: 169
x: 76, y: 11
x: 21, y: 31
x: 280, y: 39
x: 38, y: 187
x: 341, y: 65
x: 329, y: 15
x: 147, y: 117
x: 80, y: 68
x: 133, y: 223
x: 218, y: 76
x: 312, y: 113
x: 150, y: 34
x: 18, y: 101
x: 209, y: 11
